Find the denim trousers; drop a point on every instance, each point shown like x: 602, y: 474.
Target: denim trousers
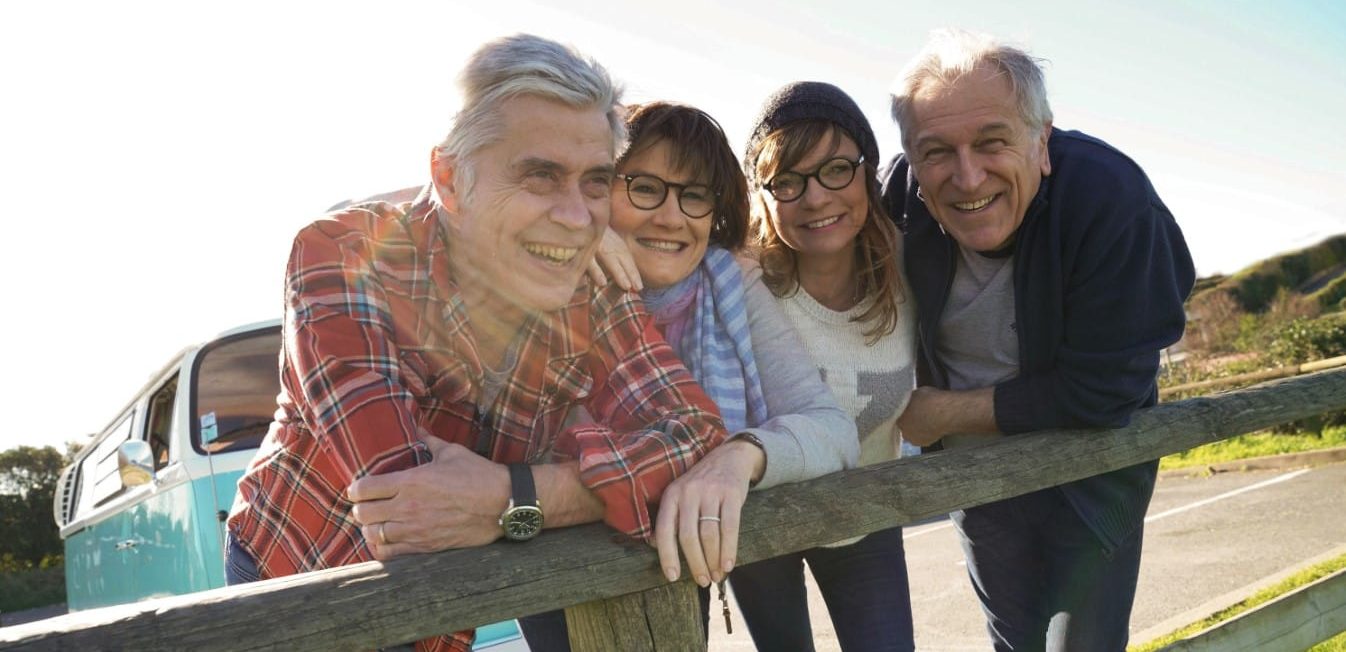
x: 239, y: 566
x: 864, y: 585
x: 1045, y: 580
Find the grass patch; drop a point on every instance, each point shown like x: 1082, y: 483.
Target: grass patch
x: 1255, y: 444
x: 1291, y: 583
x: 1335, y: 644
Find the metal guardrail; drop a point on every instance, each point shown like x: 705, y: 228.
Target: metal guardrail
x: 614, y: 591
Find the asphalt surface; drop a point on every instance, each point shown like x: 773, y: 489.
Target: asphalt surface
x: 1208, y: 541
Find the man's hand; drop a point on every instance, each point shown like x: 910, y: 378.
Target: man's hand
x: 615, y: 258
x: 455, y: 501
x: 933, y: 413
x: 701, y: 509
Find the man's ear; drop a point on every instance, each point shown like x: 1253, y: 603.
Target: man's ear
x: 444, y: 174
x: 1046, y: 162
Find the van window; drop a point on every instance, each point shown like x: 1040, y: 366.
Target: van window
x: 235, y: 388
x: 99, y: 468
x: 160, y: 422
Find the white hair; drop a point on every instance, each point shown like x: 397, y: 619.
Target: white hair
x: 952, y: 53
x: 523, y: 64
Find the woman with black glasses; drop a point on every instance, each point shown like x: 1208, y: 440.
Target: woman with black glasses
x: 834, y: 261
x: 679, y: 214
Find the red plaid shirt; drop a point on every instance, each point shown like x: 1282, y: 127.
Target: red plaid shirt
x: 377, y: 356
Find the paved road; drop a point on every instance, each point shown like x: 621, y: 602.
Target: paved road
x: 1206, y: 538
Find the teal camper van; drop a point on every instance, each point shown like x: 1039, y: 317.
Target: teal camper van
x: 141, y: 509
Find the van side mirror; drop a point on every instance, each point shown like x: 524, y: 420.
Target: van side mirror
x: 135, y: 463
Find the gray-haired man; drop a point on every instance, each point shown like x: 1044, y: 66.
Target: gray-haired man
x: 1048, y: 276
x: 433, y: 349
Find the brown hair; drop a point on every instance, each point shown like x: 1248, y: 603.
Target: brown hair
x: 876, y: 245
x: 697, y: 144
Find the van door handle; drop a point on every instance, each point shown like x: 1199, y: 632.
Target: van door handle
x: 129, y: 544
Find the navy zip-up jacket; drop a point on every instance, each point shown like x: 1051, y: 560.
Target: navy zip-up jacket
x: 1101, y: 271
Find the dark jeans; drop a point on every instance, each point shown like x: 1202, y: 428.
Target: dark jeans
x: 1044, y: 579
x: 864, y: 585
x: 239, y: 566
x: 547, y: 632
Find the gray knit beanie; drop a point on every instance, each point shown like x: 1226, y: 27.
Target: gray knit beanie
x: 809, y: 101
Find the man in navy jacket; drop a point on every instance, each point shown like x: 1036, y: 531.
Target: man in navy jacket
x: 1048, y: 276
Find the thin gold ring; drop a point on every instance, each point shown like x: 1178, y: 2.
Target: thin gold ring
x: 383, y: 538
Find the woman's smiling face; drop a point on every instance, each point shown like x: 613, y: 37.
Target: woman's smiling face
x: 666, y: 244
x: 822, y: 222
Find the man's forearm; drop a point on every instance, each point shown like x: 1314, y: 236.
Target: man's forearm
x: 565, y: 500
x: 934, y: 413
x: 970, y: 411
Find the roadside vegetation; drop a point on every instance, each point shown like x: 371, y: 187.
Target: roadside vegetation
x: 1283, y: 311
x: 32, y: 570
x: 1291, y: 583
x: 25, y: 585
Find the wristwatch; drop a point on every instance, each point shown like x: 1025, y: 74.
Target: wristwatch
x: 522, y: 520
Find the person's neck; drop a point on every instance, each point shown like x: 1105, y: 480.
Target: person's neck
x: 831, y: 280
x: 493, y: 320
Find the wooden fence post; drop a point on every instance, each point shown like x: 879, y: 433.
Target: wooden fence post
x: 663, y: 618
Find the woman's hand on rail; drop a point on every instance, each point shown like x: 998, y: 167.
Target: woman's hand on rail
x: 700, y: 512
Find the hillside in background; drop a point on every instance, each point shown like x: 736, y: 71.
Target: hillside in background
x: 1314, y: 275
x: 1286, y: 310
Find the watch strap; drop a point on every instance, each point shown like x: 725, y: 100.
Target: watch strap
x: 755, y: 441
x: 522, y: 489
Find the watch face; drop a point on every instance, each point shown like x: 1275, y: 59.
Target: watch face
x: 522, y: 523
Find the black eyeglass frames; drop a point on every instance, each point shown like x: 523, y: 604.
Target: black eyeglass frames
x: 649, y: 192
x: 833, y: 174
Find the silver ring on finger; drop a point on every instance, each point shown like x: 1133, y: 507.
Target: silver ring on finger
x: 715, y: 519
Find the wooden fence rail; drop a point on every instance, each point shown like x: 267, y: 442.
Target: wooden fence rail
x: 375, y: 604
x: 1256, y: 376
x: 1295, y: 621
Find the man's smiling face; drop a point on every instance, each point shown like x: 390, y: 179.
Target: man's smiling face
x: 978, y: 162
x: 529, y: 224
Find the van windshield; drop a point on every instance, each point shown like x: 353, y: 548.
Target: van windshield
x: 235, y: 386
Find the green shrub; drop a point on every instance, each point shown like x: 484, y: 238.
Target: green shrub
x: 24, y: 585
x: 1255, y: 291
x: 1333, y: 295
x: 1304, y: 340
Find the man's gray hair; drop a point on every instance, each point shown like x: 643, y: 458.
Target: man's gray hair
x: 952, y: 53
x: 523, y: 64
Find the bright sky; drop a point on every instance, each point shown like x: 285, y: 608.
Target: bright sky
x: 157, y: 157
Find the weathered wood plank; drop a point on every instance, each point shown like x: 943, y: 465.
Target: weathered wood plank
x: 1293, y: 622
x: 665, y: 618
x: 372, y: 604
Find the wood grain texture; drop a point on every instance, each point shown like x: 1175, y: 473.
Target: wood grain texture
x: 665, y: 618
x: 372, y: 604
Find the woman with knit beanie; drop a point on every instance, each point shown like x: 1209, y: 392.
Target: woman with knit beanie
x: 833, y: 260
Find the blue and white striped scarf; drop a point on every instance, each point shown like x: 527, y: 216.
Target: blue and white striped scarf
x: 716, y: 345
